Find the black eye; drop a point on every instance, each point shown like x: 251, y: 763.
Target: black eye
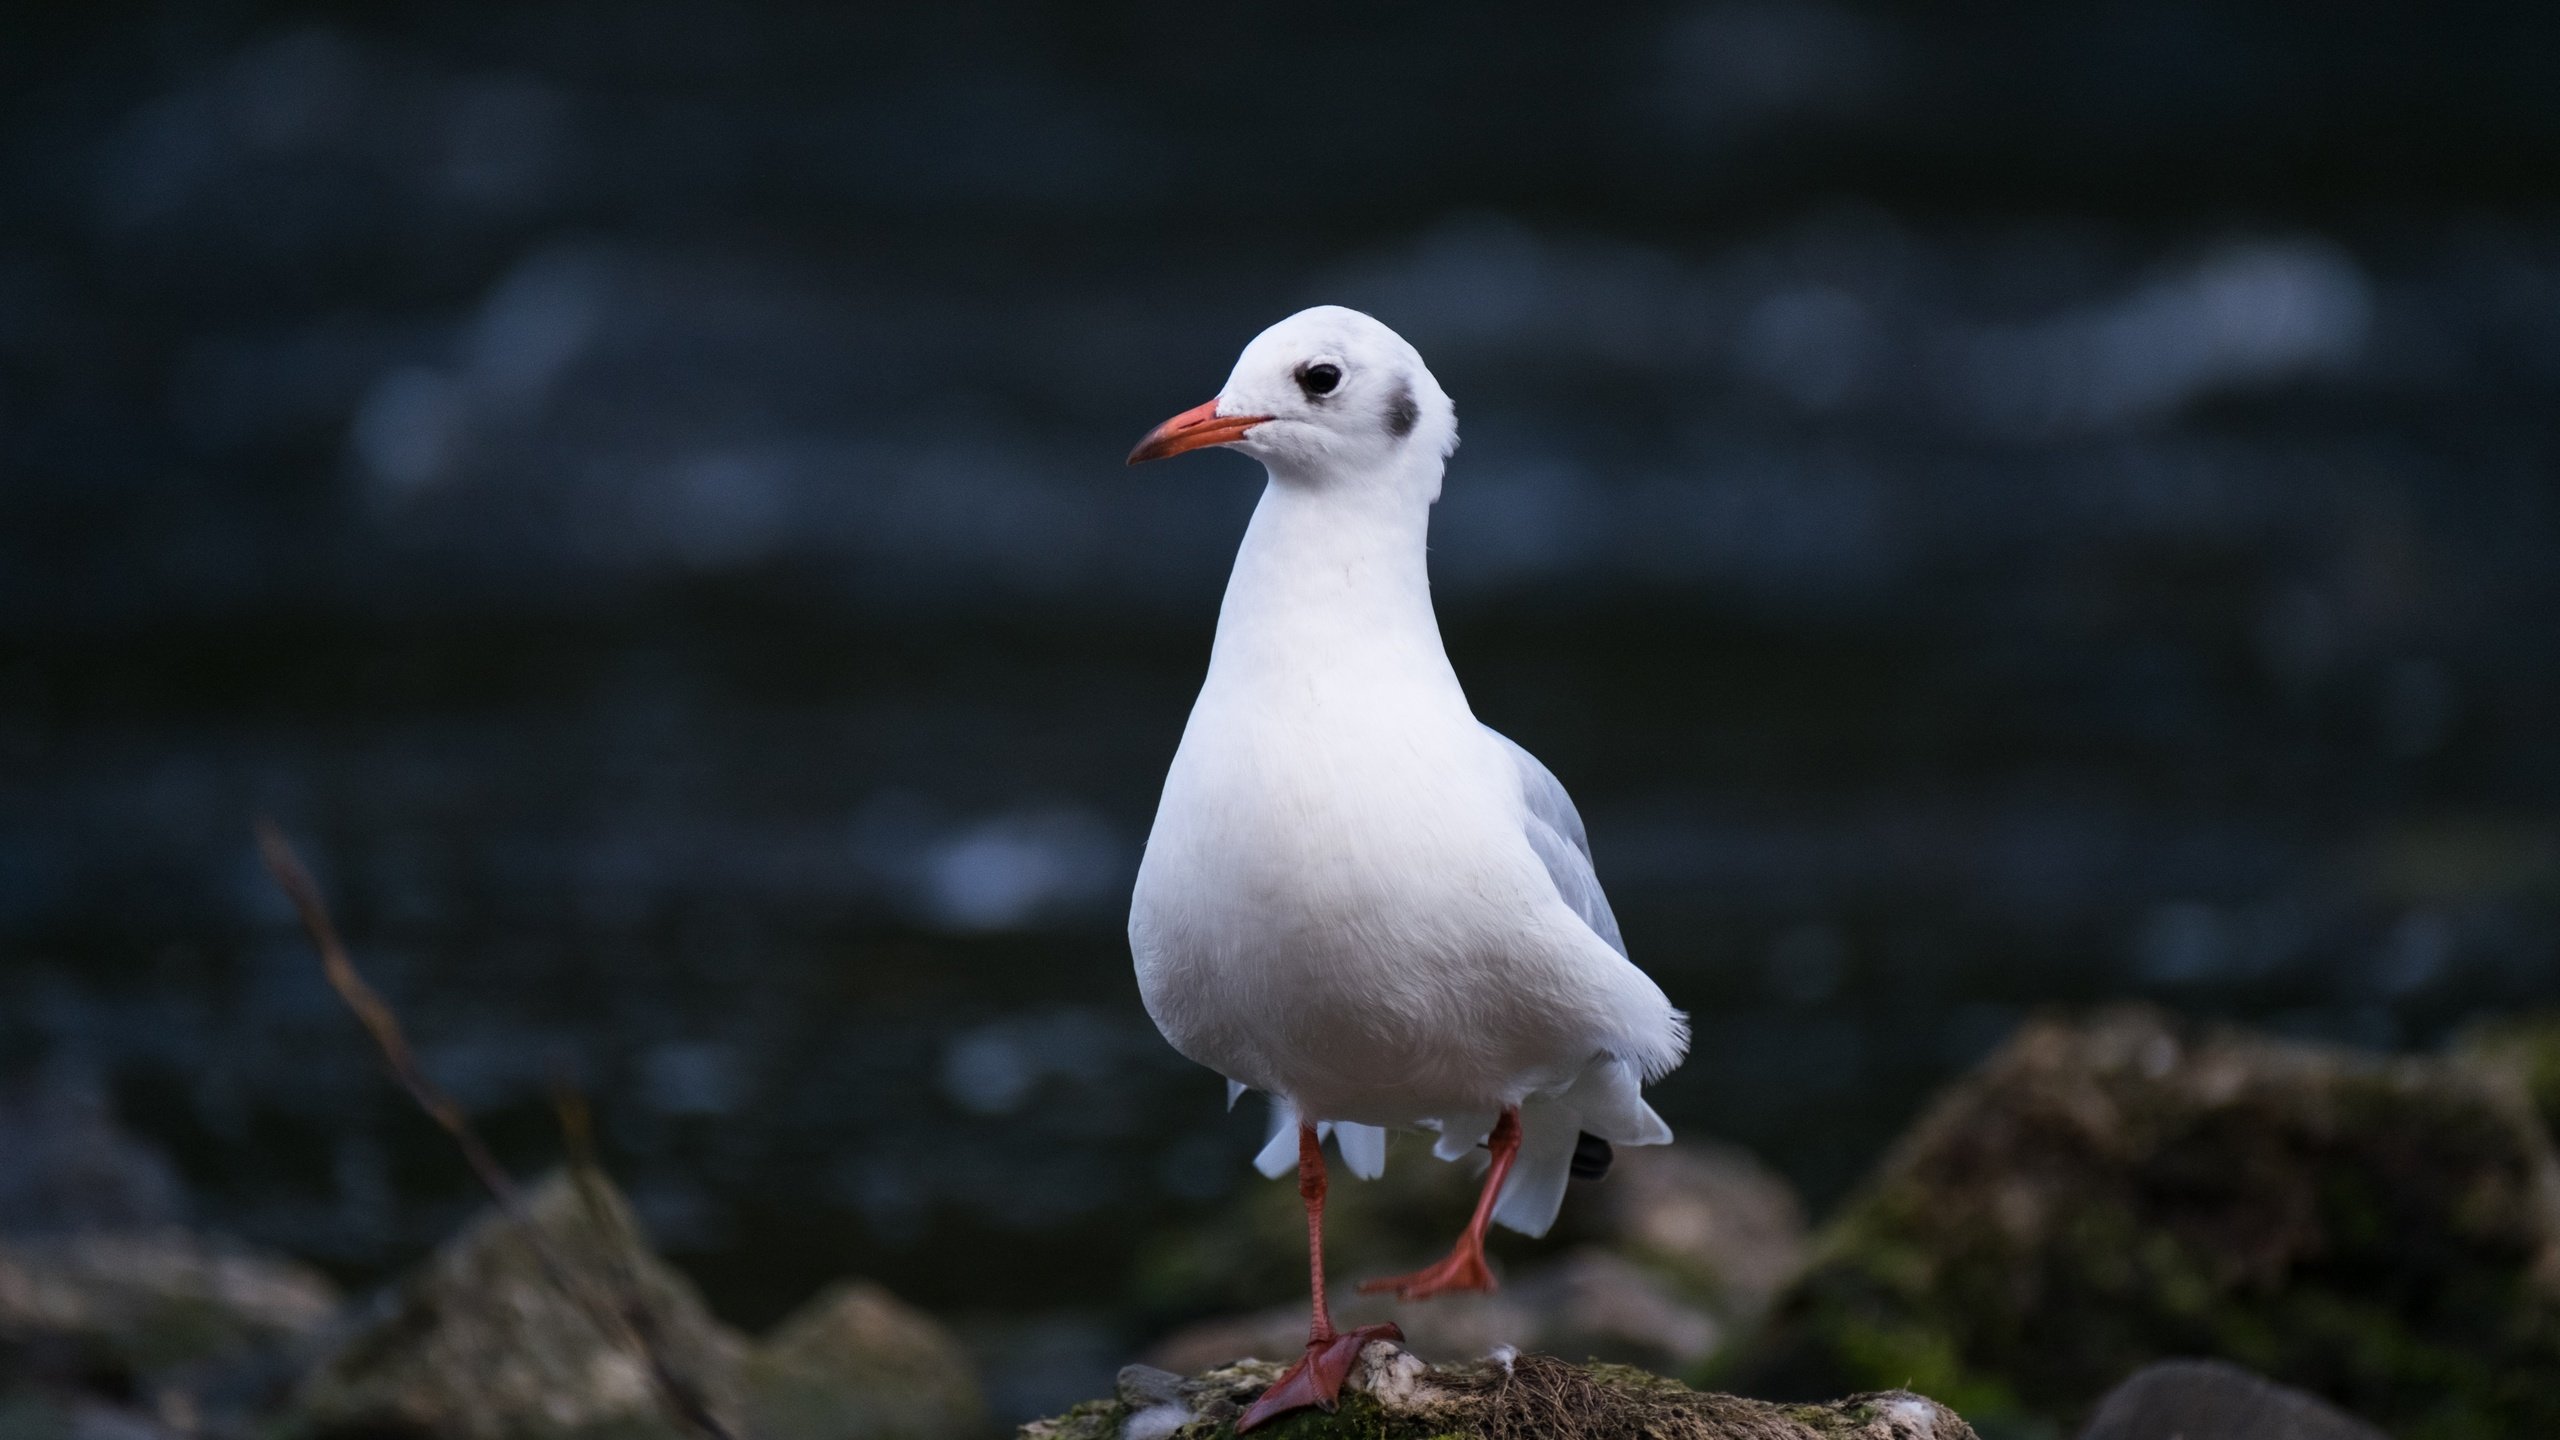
x: 1319, y: 379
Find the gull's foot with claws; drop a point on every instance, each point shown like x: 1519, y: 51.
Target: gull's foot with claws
x: 1316, y: 1380
x: 1463, y: 1269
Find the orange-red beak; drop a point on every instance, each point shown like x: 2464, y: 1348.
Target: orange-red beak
x: 1193, y: 428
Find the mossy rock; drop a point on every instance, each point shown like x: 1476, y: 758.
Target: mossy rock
x: 1393, y: 1395
x: 2381, y: 1232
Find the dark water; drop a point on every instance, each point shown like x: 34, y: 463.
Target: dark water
x: 1984, y: 512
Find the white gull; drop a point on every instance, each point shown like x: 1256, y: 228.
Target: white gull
x: 1357, y: 897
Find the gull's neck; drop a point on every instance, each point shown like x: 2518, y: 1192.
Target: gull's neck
x: 1333, y: 580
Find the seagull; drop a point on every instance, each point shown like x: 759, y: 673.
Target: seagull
x: 1357, y: 898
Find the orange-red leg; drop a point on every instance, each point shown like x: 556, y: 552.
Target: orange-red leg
x: 1317, y: 1377
x: 1465, y: 1267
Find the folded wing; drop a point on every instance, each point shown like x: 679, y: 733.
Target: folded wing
x: 1556, y: 834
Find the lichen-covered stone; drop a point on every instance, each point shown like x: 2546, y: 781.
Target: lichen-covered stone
x: 2381, y: 1232
x: 1393, y: 1395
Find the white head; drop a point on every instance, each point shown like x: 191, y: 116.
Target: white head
x: 1326, y: 395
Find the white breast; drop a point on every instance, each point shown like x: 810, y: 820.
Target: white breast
x: 1346, y: 934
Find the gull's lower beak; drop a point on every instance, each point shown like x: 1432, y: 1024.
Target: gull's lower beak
x: 1193, y: 428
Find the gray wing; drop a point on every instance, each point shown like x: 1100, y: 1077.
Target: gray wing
x: 1556, y: 833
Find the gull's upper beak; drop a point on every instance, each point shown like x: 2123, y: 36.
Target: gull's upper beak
x: 1193, y: 428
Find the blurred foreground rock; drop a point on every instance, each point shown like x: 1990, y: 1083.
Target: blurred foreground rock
x: 1253, y: 1248
x: 112, y: 1312
x: 1393, y: 1395
x: 136, y: 1303
x: 1678, y: 1249
x: 2527, y: 1048
x: 1586, y: 1303
x: 101, y: 1329
x: 858, y: 1362
x: 2381, y: 1232
x: 1710, y: 1218
x: 2209, y: 1400
x: 479, y: 1344
x: 65, y: 1164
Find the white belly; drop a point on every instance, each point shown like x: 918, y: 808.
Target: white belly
x: 1354, y: 922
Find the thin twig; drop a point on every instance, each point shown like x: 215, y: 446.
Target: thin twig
x: 625, y: 1316
x: 375, y: 1014
x: 577, y: 1134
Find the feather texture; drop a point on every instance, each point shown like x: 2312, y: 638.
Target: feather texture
x: 1555, y: 832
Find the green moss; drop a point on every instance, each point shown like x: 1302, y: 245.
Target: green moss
x: 1359, y: 1418
x: 182, y: 1328
x: 1092, y: 1420
x: 1918, y: 1357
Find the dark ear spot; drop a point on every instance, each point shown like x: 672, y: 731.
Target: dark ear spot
x: 1402, y: 413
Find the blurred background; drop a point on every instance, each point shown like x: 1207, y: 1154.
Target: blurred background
x: 1985, y: 506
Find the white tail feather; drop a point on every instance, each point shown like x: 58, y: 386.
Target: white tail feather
x: 1363, y: 1147
x: 1535, y: 1190
x: 1279, y: 1153
x: 1462, y: 1135
x: 1606, y: 1100
x: 1603, y: 1100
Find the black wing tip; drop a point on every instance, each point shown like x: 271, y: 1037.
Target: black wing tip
x: 1592, y: 1156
